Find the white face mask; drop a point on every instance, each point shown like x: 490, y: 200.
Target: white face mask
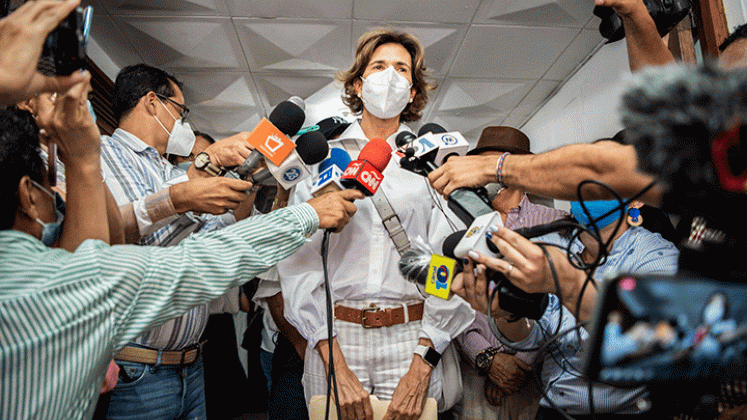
x: 181, y: 137
x: 385, y: 93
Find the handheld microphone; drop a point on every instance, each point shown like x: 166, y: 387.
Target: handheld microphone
x: 466, y: 203
x: 364, y: 173
x: 270, y: 136
x: 449, y: 143
x: 330, y: 172
x: 311, y: 148
x: 510, y: 298
x: 432, y: 273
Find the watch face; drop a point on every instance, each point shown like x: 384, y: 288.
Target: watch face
x: 202, y: 160
x: 482, y: 361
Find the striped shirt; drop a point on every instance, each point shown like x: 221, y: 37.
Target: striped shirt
x: 64, y: 315
x: 134, y: 173
x: 637, y: 250
x: 478, y: 337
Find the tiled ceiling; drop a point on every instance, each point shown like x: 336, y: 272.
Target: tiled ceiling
x: 495, y: 61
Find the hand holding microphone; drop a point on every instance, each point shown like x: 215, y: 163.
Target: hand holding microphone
x: 335, y: 209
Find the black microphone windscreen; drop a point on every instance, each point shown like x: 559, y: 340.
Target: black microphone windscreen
x: 431, y: 128
x: 451, y: 242
x: 404, y: 138
x: 312, y: 147
x: 287, y: 117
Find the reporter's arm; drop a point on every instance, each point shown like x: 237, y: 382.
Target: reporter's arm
x: 645, y: 45
x: 78, y: 138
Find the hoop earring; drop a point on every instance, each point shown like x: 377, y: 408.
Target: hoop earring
x: 634, y: 217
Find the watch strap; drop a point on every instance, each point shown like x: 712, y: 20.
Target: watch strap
x: 429, y: 354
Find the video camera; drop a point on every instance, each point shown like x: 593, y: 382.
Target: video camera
x: 64, y: 49
x: 688, y: 128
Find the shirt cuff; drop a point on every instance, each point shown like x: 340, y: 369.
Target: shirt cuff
x: 306, y: 214
x: 439, y: 338
x: 319, y: 335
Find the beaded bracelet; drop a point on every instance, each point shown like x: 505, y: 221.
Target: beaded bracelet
x: 499, y: 168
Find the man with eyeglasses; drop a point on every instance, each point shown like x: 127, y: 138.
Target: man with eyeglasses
x: 161, y: 373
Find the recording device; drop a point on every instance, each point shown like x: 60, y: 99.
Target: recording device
x: 418, y: 154
x: 475, y: 237
x: 364, y: 173
x: 286, y: 161
x: 64, y: 49
x: 330, y: 172
x: 687, y: 125
x: 449, y: 143
x: 665, y: 13
x: 432, y: 273
x: 510, y: 298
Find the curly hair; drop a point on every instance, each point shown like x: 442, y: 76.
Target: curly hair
x: 367, y: 44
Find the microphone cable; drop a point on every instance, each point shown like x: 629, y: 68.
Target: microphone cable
x: 331, y: 377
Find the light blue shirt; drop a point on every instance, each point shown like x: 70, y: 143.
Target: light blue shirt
x: 638, y: 251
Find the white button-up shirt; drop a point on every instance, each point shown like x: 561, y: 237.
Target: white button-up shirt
x: 363, y: 261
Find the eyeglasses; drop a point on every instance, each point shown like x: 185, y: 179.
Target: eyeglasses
x: 185, y: 110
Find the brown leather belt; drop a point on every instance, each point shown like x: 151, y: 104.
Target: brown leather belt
x: 168, y: 357
x: 375, y: 317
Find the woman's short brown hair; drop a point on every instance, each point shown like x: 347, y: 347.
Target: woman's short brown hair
x: 367, y: 44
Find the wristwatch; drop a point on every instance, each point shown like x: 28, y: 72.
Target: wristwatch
x: 485, y: 358
x: 202, y: 162
x: 430, y: 355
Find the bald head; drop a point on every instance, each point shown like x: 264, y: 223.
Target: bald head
x: 734, y: 56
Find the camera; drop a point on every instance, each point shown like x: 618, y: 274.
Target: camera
x: 64, y: 49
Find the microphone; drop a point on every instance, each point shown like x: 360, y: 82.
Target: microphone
x: 364, y: 173
x: 417, y: 155
x: 432, y: 273
x: 449, y: 143
x: 311, y: 148
x: 475, y: 237
x: 510, y: 298
x: 270, y: 136
x: 330, y: 172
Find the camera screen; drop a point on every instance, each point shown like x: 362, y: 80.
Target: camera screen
x: 657, y: 328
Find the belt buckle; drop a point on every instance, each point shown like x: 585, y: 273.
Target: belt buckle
x: 371, y: 308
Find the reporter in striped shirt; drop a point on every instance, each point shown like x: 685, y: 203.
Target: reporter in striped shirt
x: 64, y: 315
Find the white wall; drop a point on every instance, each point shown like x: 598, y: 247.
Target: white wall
x: 736, y: 13
x: 585, y: 108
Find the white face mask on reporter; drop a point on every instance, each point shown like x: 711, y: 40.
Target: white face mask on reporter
x: 181, y: 137
x: 385, y: 93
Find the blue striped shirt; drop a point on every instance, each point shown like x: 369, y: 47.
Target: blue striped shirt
x: 637, y: 250
x: 64, y: 315
x: 134, y: 171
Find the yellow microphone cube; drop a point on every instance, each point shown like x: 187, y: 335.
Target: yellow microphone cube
x: 440, y: 275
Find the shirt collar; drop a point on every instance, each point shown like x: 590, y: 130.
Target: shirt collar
x: 130, y: 140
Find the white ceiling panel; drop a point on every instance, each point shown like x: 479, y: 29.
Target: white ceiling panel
x: 515, y: 120
x: 113, y: 41
x: 306, y: 9
x: 440, y: 41
x: 165, y: 7
x: 291, y: 44
x: 539, y: 93
x: 495, y: 60
x: 463, y: 97
x: 569, y: 13
x: 275, y: 88
x: 416, y: 10
x: 586, y: 41
x: 184, y: 42
x: 510, y: 52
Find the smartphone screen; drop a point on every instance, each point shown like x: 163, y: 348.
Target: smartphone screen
x: 663, y: 328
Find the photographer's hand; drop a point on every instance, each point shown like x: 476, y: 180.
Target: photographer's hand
x: 22, y: 34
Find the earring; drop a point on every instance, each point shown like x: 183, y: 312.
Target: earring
x: 634, y: 217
